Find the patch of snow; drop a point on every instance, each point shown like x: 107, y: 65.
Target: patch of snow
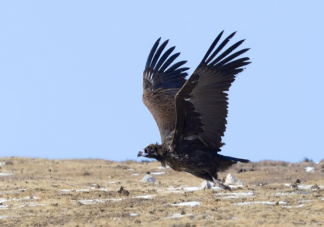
x: 82, y: 190
x: 33, y: 205
x: 303, y: 186
x: 2, y: 217
x: 3, y: 206
x: 282, y: 194
x: 90, y: 201
x: 301, y: 205
x: 260, y: 202
x: 133, y: 214
x: 67, y: 190
x: 111, y: 182
x: 303, y: 192
x: 22, y: 199
x: 2, y: 163
x: 74, y: 190
x: 15, y: 191
x: 158, y: 173
x: 191, y: 204
x: 103, y: 189
x: 216, y: 188
x: 161, y: 167
x: 230, y: 197
x: 100, y: 189
x: 3, y: 200
x: 309, y: 169
x: 191, y: 189
x: 234, y: 195
x: 135, y: 174
x: 236, y: 186
x: 305, y: 201
x: 237, y: 194
x: 145, y: 196
x: 114, y: 200
x: 131, y: 169
x: 5, y: 174
x: 173, y: 188
x: 175, y: 191
x: 177, y: 216
x: 93, y: 201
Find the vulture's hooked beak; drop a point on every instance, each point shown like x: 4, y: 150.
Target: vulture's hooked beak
x: 140, y: 153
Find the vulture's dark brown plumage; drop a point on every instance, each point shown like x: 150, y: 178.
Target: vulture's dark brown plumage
x: 191, y: 114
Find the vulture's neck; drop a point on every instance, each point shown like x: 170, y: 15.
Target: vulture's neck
x: 161, y: 153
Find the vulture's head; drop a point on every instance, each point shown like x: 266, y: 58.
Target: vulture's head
x: 151, y: 151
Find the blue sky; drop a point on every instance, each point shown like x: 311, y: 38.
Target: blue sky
x: 71, y: 75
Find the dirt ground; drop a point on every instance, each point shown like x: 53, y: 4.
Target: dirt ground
x: 86, y: 192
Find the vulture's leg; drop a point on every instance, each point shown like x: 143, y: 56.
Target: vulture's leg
x: 221, y: 185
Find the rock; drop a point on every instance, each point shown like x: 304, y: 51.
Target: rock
x: 116, y: 219
x: 148, y: 178
x: 96, y: 185
x: 206, y: 185
x: 230, y: 180
x: 122, y: 191
x: 297, y: 181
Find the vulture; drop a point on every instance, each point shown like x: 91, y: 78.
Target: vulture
x: 191, y: 113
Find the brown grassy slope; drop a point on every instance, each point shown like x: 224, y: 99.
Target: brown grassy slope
x: 43, y: 204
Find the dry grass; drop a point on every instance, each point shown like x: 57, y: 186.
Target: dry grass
x: 43, y: 204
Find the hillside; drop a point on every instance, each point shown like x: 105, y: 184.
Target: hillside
x: 86, y: 192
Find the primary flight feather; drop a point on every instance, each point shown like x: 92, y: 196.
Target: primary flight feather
x: 191, y: 114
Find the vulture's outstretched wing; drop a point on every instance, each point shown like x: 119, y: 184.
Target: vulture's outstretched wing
x: 201, y: 104
x: 161, y: 82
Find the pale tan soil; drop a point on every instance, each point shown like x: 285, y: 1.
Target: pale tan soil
x: 45, y: 205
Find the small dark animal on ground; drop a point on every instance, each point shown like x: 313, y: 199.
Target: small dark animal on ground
x: 241, y: 171
x: 191, y: 114
x: 122, y: 191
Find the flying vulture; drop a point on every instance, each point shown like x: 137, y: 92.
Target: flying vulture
x: 191, y: 113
